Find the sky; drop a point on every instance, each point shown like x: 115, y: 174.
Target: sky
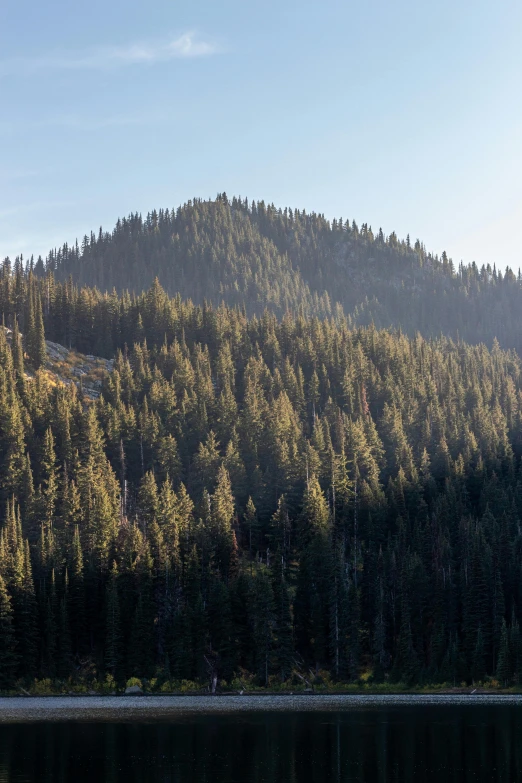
x: 405, y: 115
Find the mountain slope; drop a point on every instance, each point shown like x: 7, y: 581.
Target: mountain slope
x: 254, y: 499
x: 256, y: 256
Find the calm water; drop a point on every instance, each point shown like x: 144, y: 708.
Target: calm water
x: 374, y: 745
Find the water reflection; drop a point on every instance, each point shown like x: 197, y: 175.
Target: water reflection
x: 425, y: 744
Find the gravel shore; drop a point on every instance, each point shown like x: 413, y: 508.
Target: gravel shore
x: 149, y: 708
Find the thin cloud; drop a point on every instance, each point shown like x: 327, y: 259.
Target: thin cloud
x: 186, y: 46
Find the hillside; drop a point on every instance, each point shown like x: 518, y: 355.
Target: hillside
x: 256, y: 256
x: 260, y: 500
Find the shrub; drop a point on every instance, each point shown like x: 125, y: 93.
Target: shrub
x: 42, y: 687
x: 188, y: 685
x: 108, y: 685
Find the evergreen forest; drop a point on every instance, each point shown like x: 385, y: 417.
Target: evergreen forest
x: 255, y: 256
x: 276, y: 485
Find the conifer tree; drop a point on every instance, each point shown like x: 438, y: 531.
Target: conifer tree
x: 220, y: 629
x: 18, y: 358
x: 515, y: 648
x: 64, y: 658
x: 30, y: 342
x: 8, y: 652
x: 504, y: 663
x: 50, y: 627
x: 49, y: 475
x: 283, y: 660
x: 142, y: 644
x: 12, y: 440
x: 478, y: 666
x: 263, y: 626
x: 406, y: 664
x: 77, y: 595
x: 113, y: 643
x: 251, y: 527
x: 222, y: 512
x: 25, y: 612
x: 37, y: 340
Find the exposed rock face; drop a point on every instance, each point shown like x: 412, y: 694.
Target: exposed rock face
x: 72, y: 367
x: 133, y: 690
x: 68, y: 366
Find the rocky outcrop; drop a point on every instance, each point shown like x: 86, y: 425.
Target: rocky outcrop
x: 133, y: 690
x: 67, y: 366
x: 72, y: 367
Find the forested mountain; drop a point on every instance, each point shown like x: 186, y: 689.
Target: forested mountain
x: 254, y: 497
x: 256, y: 256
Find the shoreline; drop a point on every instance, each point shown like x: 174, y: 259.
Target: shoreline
x: 28, y: 709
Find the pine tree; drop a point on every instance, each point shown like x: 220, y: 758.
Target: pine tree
x: 113, y: 642
x: 18, y: 358
x: 142, y: 643
x: 64, y: 657
x: 280, y: 532
x: 50, y: 628
x: 504, y: 663
x: 25, y: 610
x: 478, y: 666
x: 251, y: 526
x: 515, y: 643
x: 38, y: 347
x: 220, y: 629
x: 283, y: 631
x: 406, y: 664
x: 8, y: 652
x: 77, y: 596
x: 30, y: 341
x: 49, y: 487
x: 222, y: 513
x: 12, y: 440
x: 148, y: 500
x: 264, y: 619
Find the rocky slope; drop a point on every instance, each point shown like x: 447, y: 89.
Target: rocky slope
x: 68, y: 367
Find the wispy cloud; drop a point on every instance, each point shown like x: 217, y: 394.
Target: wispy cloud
x: 186, y: 46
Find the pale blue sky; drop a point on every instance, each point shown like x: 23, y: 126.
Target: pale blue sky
x: 404, y: 114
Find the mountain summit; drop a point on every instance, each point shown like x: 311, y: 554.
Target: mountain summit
x: 256, y: 256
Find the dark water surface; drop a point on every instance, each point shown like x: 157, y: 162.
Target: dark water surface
x: 371, y: 745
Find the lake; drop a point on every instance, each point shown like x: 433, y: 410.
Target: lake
x: 374, y: 744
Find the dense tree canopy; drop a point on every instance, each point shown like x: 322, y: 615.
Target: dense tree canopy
x: 264, y: 494
x: 253, y: 255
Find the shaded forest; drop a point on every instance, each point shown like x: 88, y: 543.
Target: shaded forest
x: 256, y: 256
x: 254, y: 495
